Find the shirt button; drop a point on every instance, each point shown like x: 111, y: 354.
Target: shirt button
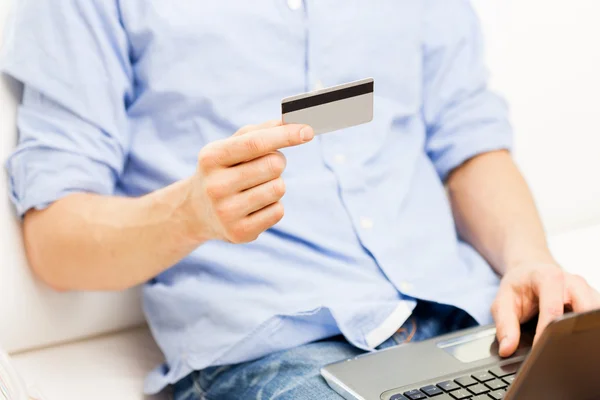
x: 294, y: 4
x: 406, y: 286
x: 340, y: 158
x: 366, y: 223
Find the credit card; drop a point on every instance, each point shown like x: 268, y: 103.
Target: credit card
x: 333, y: 108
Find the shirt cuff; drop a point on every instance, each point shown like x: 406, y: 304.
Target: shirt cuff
x: 474, y: 144
x: 40, y: 176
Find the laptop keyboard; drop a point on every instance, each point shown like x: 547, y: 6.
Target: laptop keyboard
x: 481, y: 385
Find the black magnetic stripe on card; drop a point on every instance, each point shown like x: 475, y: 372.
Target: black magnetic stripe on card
x: 328, y: 97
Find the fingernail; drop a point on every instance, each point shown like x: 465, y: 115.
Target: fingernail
x: 306, y: 134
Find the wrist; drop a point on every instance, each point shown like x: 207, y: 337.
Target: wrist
x: 539, y: 257
x: 172, y: 208
x: 186, y: 212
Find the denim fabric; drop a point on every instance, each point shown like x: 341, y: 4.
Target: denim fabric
x: 294, y: 374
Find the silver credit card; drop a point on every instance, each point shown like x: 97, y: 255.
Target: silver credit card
x: 332, y: 108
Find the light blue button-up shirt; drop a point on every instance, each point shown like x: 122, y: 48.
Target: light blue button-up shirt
x: 121, y: 95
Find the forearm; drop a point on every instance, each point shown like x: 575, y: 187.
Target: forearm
x: 91, y: 242
x: 495, y: 212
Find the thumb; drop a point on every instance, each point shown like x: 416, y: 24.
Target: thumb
x: 508, y: 327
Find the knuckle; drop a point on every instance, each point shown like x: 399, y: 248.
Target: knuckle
x: 276, y: 163
x: 240, y: 233
x: 547, y: 275
x: 244, y: 173
x: 278, y: 212
x: 555, y: 310
x: 207, y: 157
x: 497, y: 306
x: 292, y: 134
x: 211, y: 155
x: 223, y: 212
x: 231, y: 234
x: 278, y: 187
x: 554, y: 275
x: 257, y: 196
x: 216, y: 189
x: 255, y: 145
x: 578, y: 280
x: 504, y: 301
x: 230, y: 210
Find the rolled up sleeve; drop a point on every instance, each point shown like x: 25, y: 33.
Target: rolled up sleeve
x: 72, y: 58
x: 463, y: 117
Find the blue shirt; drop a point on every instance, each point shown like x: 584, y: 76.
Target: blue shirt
x: 121, y: 95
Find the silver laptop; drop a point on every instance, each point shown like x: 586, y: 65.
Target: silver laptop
x: 564, y: 365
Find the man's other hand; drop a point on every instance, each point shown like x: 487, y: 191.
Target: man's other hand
x: 527, y: 290
x: 236, y: 191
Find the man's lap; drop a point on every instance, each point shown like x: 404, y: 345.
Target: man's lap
x: 295, y: 373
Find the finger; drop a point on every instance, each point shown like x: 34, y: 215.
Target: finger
x: 251, y: 200
x: 550, y: 289
x: 507, y: 319
x: 580, y: 295
x: 261, y: 196
x: 255, y: 127
x: 266, y: 217
x: 253, y: 173
x: 253, y: 225
x: 225, y: 182
x: 258, y: 143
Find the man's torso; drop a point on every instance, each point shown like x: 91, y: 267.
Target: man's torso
x: 368, y: 227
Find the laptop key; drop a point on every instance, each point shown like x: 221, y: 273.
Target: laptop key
x: 465, y: 381
x: 497, y: 395
x: 461, y: 394
x: 483, y: 376
x: 505, y: 370
x: 496, y: 384
x: 398, y: 397
x: 478, y: 389
x: 448, y: 386
x: 481, y: 397
x: 415, y: 394
x: 509, y: 379
x: 446, y: 397
x: 431, y: 390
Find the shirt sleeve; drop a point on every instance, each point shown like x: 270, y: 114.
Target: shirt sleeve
x: 463, y: 117
x: 72, y: 57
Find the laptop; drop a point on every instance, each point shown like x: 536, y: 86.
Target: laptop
x: 564, y: 365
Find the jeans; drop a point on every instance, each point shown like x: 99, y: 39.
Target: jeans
x: 294, y: 374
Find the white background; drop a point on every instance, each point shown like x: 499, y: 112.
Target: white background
x: 545, y: 58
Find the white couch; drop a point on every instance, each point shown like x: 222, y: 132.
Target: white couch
x: 92, y: 346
